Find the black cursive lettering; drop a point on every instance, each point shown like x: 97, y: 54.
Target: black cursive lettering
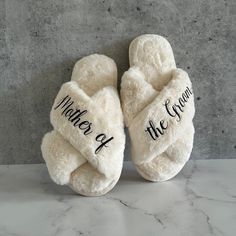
x: 102, y: 139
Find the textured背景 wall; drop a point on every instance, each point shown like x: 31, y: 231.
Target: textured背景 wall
x: 41, y: 40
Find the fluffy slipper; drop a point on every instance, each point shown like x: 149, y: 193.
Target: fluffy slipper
x: 85, y: 149
x: 158, y: 107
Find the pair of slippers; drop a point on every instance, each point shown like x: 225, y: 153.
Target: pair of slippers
x: 86, y: 148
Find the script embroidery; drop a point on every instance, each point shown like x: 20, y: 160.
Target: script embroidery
x: 74, y: 115
x: 173, y: 111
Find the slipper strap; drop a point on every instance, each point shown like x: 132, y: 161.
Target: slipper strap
x: 164, y: 120
x: 85, y: 124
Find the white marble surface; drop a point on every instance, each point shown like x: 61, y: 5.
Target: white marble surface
x: 201, y: 200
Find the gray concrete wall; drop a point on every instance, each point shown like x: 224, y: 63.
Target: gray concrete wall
x: 41, y: 40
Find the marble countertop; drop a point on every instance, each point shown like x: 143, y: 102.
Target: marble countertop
x: 201, y: 200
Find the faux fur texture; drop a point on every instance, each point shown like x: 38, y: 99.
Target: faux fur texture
x: 85, y: 149
x: 158, y: 107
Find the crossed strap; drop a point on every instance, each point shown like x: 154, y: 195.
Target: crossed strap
x: 164, y: 120
x: 83, y: 121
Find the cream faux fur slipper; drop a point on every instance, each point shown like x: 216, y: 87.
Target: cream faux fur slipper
x: 85, y: 149
x: 158, y: 107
